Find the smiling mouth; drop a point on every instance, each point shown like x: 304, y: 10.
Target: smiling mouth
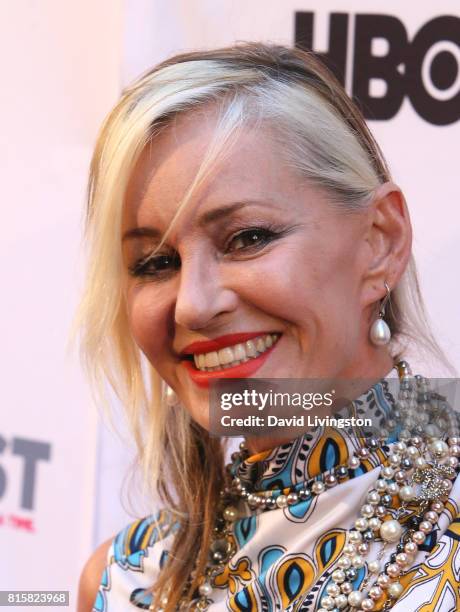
x: 233, y: 355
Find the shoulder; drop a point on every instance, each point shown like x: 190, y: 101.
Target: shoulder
x: 91, y: 576
x: 126, y: 550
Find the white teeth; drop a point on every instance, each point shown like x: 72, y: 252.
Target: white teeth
x: 231, y: 356
x: 250, y: 348
x: 200, y: 361
x: 239, y: 352
x: 226, y: 355
x: 212, y: 359
x: 260, y: 345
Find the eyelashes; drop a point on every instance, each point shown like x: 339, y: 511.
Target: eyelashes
x: 161, y: 266
x: 155, y: 265
x: 266, y: 234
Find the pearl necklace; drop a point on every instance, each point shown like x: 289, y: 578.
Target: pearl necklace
x: 421, y: 469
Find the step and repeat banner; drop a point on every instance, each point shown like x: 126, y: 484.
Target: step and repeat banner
x: 62, y: 473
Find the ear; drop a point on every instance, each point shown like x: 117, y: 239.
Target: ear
x: 388, y: 240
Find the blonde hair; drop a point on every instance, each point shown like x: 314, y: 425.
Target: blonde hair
x: 324, y: 138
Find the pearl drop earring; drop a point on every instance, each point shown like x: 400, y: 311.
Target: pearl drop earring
x: 379, y: 332
x: 170, y: 396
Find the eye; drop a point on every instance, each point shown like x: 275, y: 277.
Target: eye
x: 156, y: 266
x: 162, y: 266
x: 250, y: 238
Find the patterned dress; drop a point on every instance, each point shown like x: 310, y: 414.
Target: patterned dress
x: 285, y: 556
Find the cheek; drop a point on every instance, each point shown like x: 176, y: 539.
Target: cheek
x: 311, y: 291
x: 298, y: 281
x: 148, y: 323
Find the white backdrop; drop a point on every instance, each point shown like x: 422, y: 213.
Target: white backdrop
x: 60, y: 73
x: 63, y: 65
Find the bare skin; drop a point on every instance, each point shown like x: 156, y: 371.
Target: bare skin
x: 91, y: 577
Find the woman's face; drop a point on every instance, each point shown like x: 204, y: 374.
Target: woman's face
x: 259, y: 268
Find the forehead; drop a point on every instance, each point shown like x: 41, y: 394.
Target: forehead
x: 250, y: 169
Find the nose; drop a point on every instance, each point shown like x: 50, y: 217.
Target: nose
x: 203, y: 295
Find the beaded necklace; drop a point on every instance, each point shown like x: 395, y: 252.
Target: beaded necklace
x: 423, y: 462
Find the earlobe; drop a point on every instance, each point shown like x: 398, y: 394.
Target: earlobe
x: 389, y: 238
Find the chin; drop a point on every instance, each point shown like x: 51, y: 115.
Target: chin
x: 202, y: 422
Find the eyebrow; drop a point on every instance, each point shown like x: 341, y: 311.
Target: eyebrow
x: 205, y: 219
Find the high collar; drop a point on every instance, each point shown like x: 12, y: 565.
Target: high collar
x: 313, y: 455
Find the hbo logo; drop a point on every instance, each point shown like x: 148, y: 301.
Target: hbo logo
x: 426, y: 69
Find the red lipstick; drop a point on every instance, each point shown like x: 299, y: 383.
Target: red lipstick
x: 242, y: 370
x: 206, y: 346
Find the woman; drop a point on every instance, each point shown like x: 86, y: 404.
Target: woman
x: 243, y: 221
